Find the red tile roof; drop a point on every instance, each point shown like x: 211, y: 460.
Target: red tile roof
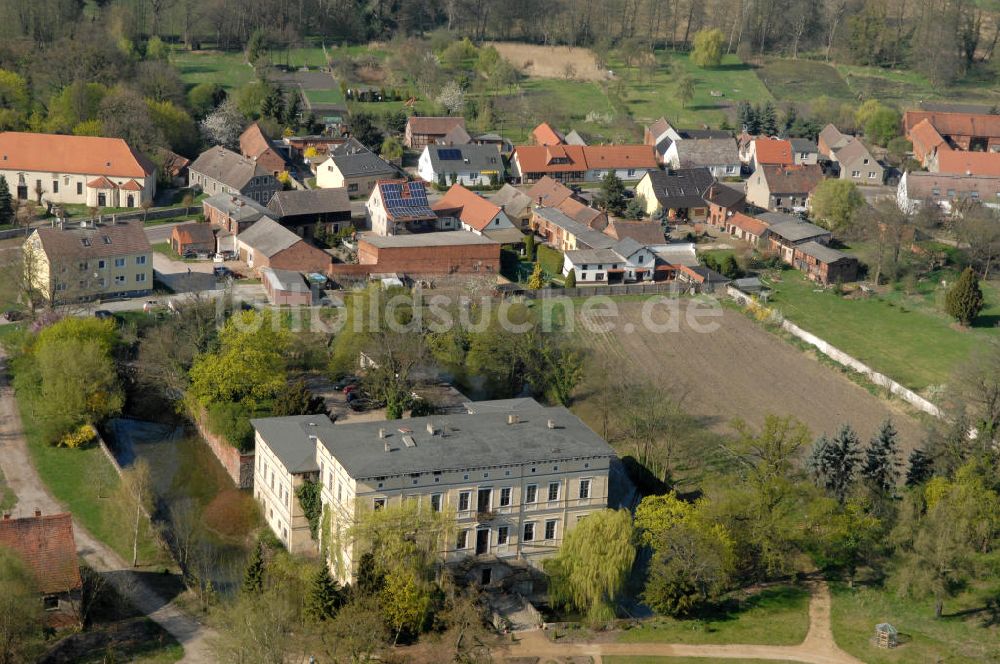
x: 194, y: 233
x: 87, y: 155
x: 925, y: 138
x: 541, y: 158
x: 101, y: 183
x: 470, y: 207
x: 773, y: 151
x: 748, y: 224
x: 131, y: 185
x: 46, y: 545
x: 792, y: 179
x: 968, y: 163
x: 955, y: 124
x: 643, y: 232
x: 544, y: 134
x: 583, y: 213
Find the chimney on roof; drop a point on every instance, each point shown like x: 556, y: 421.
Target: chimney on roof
x: 512, y: 418
x: 551, y: 424
x: 381, y: 432
x: 430, y: 428
x: 387, y: 447
x: 6, y: 516
x: 38, y: 512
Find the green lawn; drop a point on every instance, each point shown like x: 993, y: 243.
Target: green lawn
x: 551, y: 259
x: 958, y: 637
x: 330, y: 96
x: 227, y: 68
x: 903, y: 336
x: 86, y: 483
x: 773, y: 616
x: 803, y: 80
x: 168, y: 251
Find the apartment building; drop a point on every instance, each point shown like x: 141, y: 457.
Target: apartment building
x: 517, y: 475
x: 87, y: 261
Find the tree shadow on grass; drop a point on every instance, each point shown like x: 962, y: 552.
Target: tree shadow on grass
x: 990, y: 321
x: 731, y: 608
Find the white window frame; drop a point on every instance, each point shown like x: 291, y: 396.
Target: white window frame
x: 586, y: 486
x: 550, y: 523
x: 467, y: 495
x: 531, y: 494
x: 528, y: 532
x: 462, y: 542
x: 506, y: 495
x: 558, y: 487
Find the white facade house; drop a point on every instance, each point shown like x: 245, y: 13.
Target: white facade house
x: 513, y: 502
x: 84, y: 170
x: 470, y: 165
x: 626, y: 261
x: 398, y: 206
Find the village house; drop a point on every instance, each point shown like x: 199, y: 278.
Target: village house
x: 221, y: 171
x: 46, y: 546
x: 564, y: 233
x: 785, y: 233
x: 723, y: 201
x: 255, y: 145
x: 285, y: 288
x: 594, y: 266
x: 474, y: 213
x: 946, y: 190
x: 804, y: 151
x: 518, y: 478
x: 548, y: 192
x: 659, y: 135
x: 423, y: 131
x: 858, y: 165
x: 783, y: 187
x: 678, y: 195
x: 87, y: 261
x: 399, y: 206
x: 357, y: 172
x: 307, y: 210
x: 269, y: 244
x: 959, y: 162
x: 471, y: 165
x: 832, y: 139
x: 516, y: 203
x: 927, y: 142
x: 700, y: 279
x: 427, y: 254
x: 194, y: 237
x: 747, y: 228
x: 581, y: 163
x: 769, y: 151
x: 545, y: 134
x: 233, y: 214
x: 173, y: 168
x: 824, y: 264
x: 701, y: 148
x: 973, y: 132
x: 81, y: 170
x: 644, y: 232
x: 456, y: 136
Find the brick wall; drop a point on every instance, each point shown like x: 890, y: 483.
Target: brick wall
x: 300, y: 257
x: 431, y: 260
x: 238, y: 466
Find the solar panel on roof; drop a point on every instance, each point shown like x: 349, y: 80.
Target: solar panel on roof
x: 449, y: 155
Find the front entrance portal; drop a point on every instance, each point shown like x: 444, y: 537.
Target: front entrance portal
x: 482, y: 541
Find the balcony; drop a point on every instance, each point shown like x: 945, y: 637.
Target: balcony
x: 484, y: 517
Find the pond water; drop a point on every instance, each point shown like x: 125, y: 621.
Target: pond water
x: 193, y: 494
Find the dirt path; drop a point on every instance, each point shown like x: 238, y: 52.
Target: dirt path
x: 817, y: 648
x: 32, y: 494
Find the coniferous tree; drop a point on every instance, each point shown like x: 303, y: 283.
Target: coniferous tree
x: 324, y: 598
x: 6, y: 203
x: 296, y: 399
x: 768, y: 120
x: 921, y: 468
x: 881, y: 466
x: 965, y: 299
x: 746, y: 117
x: 834, y: 462
x: 253, y: 576
x: 571, y: 278
x: 613, y: 193
x: 529, y: 246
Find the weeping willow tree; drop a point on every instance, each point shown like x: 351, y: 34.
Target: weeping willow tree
x: 593, y: 564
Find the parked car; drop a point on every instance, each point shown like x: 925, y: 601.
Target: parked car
x: 349, y: 390
x: 222, y: 272
x: 12, y: 315
x: 189, y: 255
x: 229, y: 255
x: 103, y: 314
x: 217, y: 258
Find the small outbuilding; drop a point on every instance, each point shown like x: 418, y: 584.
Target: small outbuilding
x: 285, y: 288
x: 193, y: 237
x: 886, y: 636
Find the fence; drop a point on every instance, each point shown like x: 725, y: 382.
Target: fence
x: 877, y: 378
x: 152, y: 215
x: 665, y: 288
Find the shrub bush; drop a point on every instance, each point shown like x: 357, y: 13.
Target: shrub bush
x: 232, y: 422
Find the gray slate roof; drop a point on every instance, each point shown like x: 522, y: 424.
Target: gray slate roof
x: 471, y: 158
x: 349, y: 146
x: 228, y: 167
x: 796, y: 231
x: 268, y: 237
x: 684, y: 188
x: 502, y: 405
x: 477, y: 440
x: 363, y: 163
x: 574, y: 138
x: 821, y: 252
x: 585, y: 234
x: 285, y: 280
x: 599, y: 256
x: 98, y: 241
x: 296, y: 202
x: 237, y: 208
x: 800, y: 145
x: 513, y: 201
x: 627, y: 246
x: 697, y: 152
